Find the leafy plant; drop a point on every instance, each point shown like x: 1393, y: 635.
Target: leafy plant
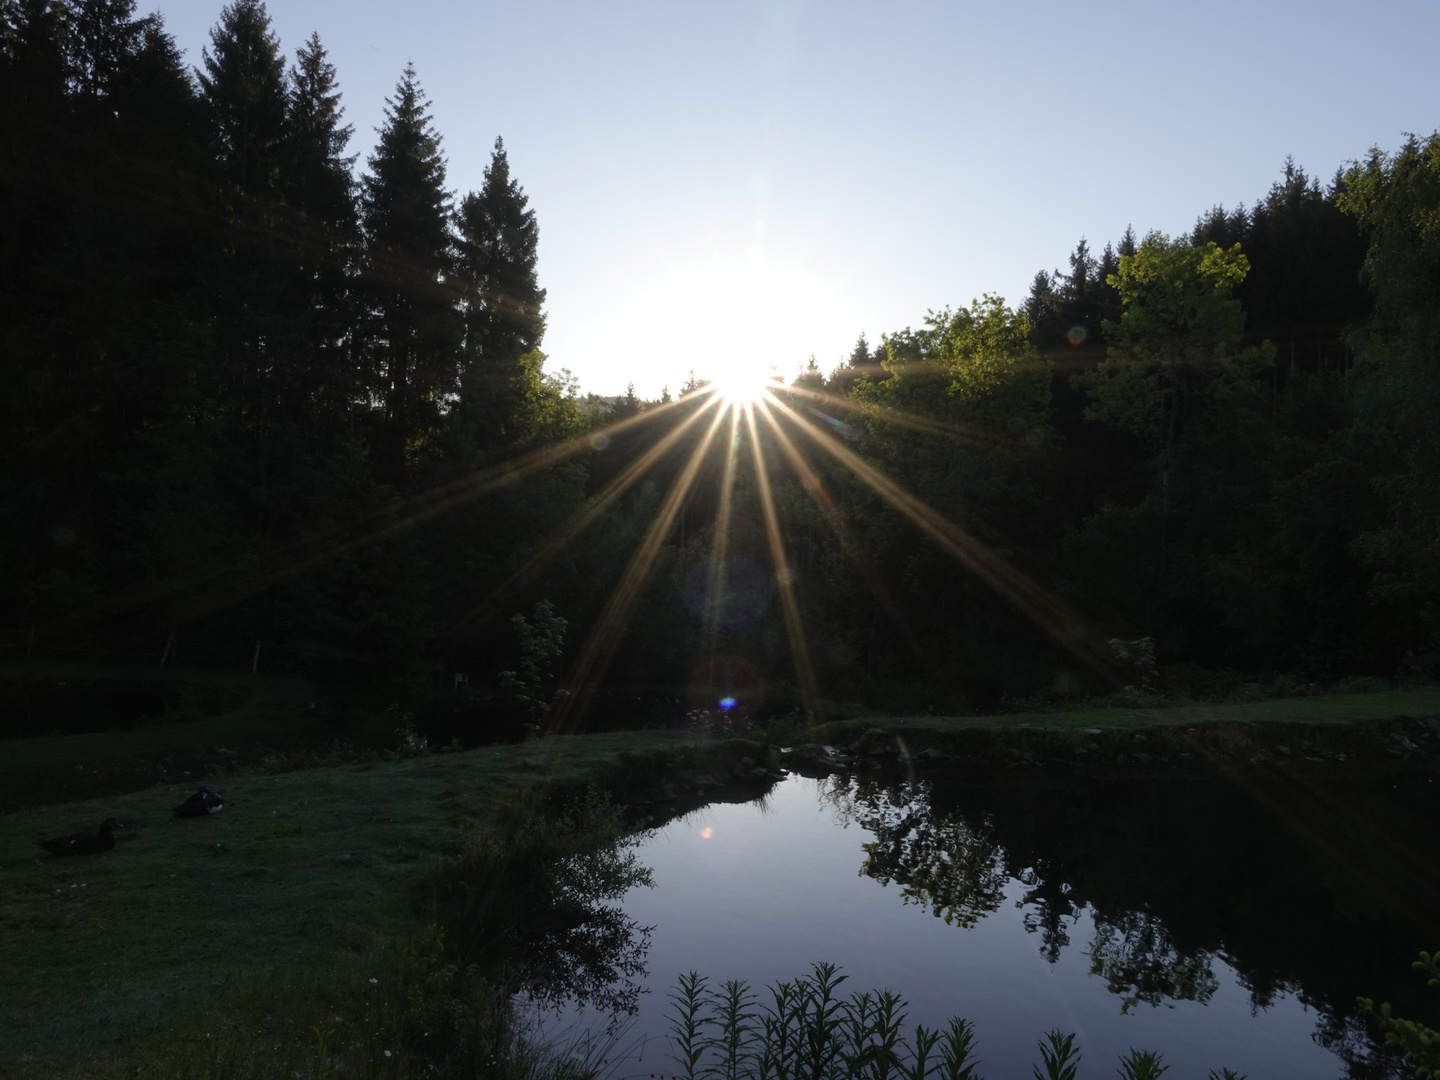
x: 1058, y: 1053
x: 806, y: 1031
x: 736, y: 1007
x: 1142, y: 1065
x: 1420, y: 1043
x: 687, y: 1023
x: 542, y: 643
x: 957, y: 1052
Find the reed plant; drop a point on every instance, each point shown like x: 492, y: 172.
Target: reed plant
x: 805, y: 1029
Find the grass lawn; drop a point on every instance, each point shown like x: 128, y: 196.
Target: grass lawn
x: 300, y: 870
x: 1320, y: 709
x: 315, y: 868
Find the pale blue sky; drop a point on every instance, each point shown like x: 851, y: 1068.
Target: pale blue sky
x: 768, y: 178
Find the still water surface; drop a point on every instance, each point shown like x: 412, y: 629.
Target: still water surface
x: 1220, y: 925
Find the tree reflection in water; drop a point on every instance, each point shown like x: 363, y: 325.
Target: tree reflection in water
x: 1049, y: 899
x: 958, y: 872
x: 539, y: 905
x: 941, y: 863
x: 579, y: 948
x: 1179, y: 877
x: 1140, y: 962
x: 597, y: 962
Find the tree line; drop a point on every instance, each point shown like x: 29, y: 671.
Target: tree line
x: 256, y: 387
x: 220, y: 343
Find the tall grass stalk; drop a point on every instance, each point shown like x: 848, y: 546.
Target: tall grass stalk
x: 1141, y: 1065
x: 689, y: 1001
x: 807, y: 1031
x: 735, y: 1006
x: 957, y: 1054
x: 1059, y: 1056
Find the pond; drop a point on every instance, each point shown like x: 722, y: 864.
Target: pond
x: 1221, y: 923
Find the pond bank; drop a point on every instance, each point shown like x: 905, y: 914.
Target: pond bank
x: 1325, y: 733
x: 321, y: 861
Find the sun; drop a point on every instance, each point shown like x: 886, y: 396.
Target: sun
x: 741, y: 384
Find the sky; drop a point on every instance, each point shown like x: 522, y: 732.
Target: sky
x: 762, y: 180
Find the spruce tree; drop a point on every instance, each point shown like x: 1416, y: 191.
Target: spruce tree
x: 324, y: 224
x: 414, y: 327
x: 504, y: 320
x: 317, y: 172
x: 105, y: 36
x: 243, y: 87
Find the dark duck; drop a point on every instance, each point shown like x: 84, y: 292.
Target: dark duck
x: 85, y: 842
x: 207, y: 800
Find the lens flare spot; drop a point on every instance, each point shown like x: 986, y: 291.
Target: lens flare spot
x: 706, y: 833
x: 599, y: 442
x: 727, y: 703
x: 1076, y: 335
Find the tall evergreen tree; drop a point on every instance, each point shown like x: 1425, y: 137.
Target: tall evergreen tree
x: 504, y: 320
x: 414, y: 327
x: 317, y: 172
x: 1303, y: 291
x: 106, y: 35
x: 323, y: 223
x: 243, y: 87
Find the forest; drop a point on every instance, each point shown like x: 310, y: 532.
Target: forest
x: 260, y: 388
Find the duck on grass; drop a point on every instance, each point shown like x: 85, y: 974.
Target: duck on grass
x: 86, y: 841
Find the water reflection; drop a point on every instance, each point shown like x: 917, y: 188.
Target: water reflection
x: 941, y: 862
x: 596, y: 961
x: 1140, y: 963
x: 1175, y: 877
x: 1189, y: 917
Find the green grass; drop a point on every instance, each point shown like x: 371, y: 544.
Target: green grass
x: 1320, y: 710
x: 301, y: 869
x: 270, y: 714
x: 106, y: 954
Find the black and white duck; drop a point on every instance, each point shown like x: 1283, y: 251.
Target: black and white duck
x: 207, y: 800
x: 85, y: 842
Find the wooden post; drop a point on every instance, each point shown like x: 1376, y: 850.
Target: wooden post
x: 255, y: 664
x: 169, y: 644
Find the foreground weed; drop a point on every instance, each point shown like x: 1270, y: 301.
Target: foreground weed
x: 807, y: 1031
x: 1058, y: 1053
x: 688, y: 1023
x: 957, y: 1055
x: 1142, y: 1065
x: 735, y: 1005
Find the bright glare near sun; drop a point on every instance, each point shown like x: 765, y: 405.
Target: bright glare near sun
x: 744, y: 382
x: 736, y: 322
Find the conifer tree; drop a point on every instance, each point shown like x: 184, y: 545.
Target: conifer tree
x: 1303, y: 290
x: 324, y: 225
x: 244, y: 90
x: 504, y: 320
x: 106, y: 35
x: 317, y: 170
x: 414, y: 326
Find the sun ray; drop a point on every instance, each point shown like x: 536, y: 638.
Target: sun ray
x: 1065, y: 627
x: 789, y: 606
x: 230, y: 583
x: 834, y: 516
x: 720, y: 547
x: 604, y: 637
x: 584, y: 517
x: 924, y: 424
